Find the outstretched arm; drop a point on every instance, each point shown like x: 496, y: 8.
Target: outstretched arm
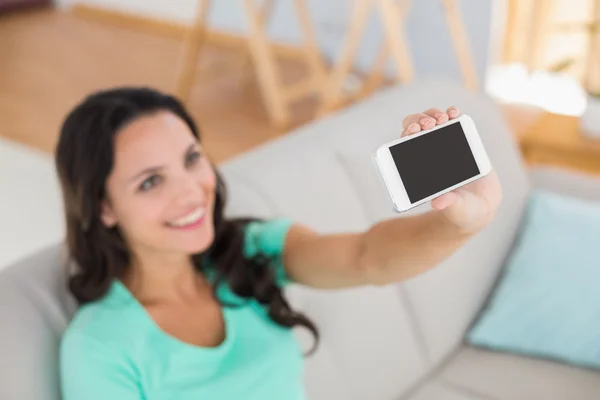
x: 398, y: 248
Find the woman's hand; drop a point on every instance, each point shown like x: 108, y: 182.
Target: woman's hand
x: 469, y: 207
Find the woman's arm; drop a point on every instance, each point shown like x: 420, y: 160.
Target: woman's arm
x: 399, y: 248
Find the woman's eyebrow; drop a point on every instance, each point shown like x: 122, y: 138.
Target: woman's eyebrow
x: 146, y: 171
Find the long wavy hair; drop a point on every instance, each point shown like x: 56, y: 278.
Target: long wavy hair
x: 84, y: 160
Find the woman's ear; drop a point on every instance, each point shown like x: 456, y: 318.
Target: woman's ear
x: 108, y: 217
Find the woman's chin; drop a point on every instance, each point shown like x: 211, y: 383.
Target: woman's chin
x: 202, y: 244
x: 198, y: 245
x: 197, y: 249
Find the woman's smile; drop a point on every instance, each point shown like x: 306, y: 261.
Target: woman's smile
x: 191, y: 220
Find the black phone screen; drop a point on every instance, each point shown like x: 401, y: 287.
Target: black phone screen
x: 434, y: 161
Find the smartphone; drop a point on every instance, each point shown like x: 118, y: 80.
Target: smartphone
x: 420, y: 167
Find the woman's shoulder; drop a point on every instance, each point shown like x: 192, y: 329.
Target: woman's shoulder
x: 112, y: 320
x: 98, y: 351
x: 266, y: 236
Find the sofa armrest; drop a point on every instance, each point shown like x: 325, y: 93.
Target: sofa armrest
x: 566, y: 182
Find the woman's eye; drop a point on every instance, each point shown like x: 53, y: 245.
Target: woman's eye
x: 150, y: 183
x: 192, y: 158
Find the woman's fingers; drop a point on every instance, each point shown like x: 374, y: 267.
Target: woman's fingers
x: 453, y: 112
x: 415, y: 123
x: 420, y: 119
x: 437, y: 114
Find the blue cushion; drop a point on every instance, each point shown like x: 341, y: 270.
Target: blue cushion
x: 547, y: 302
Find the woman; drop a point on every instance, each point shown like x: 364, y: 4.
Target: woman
x: 179, y: 302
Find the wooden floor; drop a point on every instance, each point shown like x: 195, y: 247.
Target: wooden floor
x: 50, y: 60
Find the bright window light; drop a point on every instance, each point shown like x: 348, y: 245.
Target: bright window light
x: 556, y: 93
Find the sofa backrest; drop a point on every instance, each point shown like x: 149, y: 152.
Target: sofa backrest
x: 34, y: 311
x: 376, y: 342
x: 31, y: 211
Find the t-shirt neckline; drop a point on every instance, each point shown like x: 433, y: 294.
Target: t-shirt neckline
x: 120, y: 290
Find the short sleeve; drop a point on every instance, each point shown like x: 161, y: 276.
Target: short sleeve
x: 268, y: 238
x: 93, y: 371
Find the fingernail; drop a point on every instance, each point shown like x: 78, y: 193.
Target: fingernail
x: 452, y: 113
x: 413, y: 128
x: 439, y: 115
x: 424, y: 121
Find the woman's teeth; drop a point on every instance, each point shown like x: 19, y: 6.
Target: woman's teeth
x: 189, y: 219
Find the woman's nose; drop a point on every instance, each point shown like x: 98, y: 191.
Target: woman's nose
x: 189, y: 191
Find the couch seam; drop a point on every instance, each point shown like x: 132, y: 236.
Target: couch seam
x: 423, y: 348
x: 30, y: 300
x: 38, y: 302
x: 431, y: 375
x: 464, y: 390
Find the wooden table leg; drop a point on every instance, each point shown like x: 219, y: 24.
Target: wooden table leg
x: 332, y: 92
x: 314, y: 58
x: 461, y: 44
x: 396, y: 40
x: 266, y: 70
x: 266, y: 12
x: 392, y: 13
x: 395, y: 45
x: 191, y: 47
x: 376, y: 76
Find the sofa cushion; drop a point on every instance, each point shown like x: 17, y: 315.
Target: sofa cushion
x: 547, y: 303
x: 368, y: 333
x: 510, y: 377
x: 34, y: 311
x: 295, y: 177
x: 433, y: 390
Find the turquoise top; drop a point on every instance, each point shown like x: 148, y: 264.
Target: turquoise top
x: 114, y: 350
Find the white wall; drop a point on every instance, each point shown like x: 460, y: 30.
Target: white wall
x: 426, y: 28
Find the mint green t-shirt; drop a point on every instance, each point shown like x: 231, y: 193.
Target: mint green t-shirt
x: 113, y: 350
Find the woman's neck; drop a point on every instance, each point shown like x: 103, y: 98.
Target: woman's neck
x: 158, y: 278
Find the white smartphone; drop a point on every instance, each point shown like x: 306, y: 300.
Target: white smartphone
x: 420, y: 167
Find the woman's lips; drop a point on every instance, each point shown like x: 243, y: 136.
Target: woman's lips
x: 190, y: 221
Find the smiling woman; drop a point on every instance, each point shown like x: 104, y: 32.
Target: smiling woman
x: 156, y: 258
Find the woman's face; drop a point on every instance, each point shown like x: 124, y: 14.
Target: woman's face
x: 161, y: 191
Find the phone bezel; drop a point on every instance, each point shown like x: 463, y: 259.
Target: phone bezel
x: 393, y: 180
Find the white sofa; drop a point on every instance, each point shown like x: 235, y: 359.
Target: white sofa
x: 402, y: 341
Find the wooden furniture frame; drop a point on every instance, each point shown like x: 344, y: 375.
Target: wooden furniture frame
x: 277, y: 97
